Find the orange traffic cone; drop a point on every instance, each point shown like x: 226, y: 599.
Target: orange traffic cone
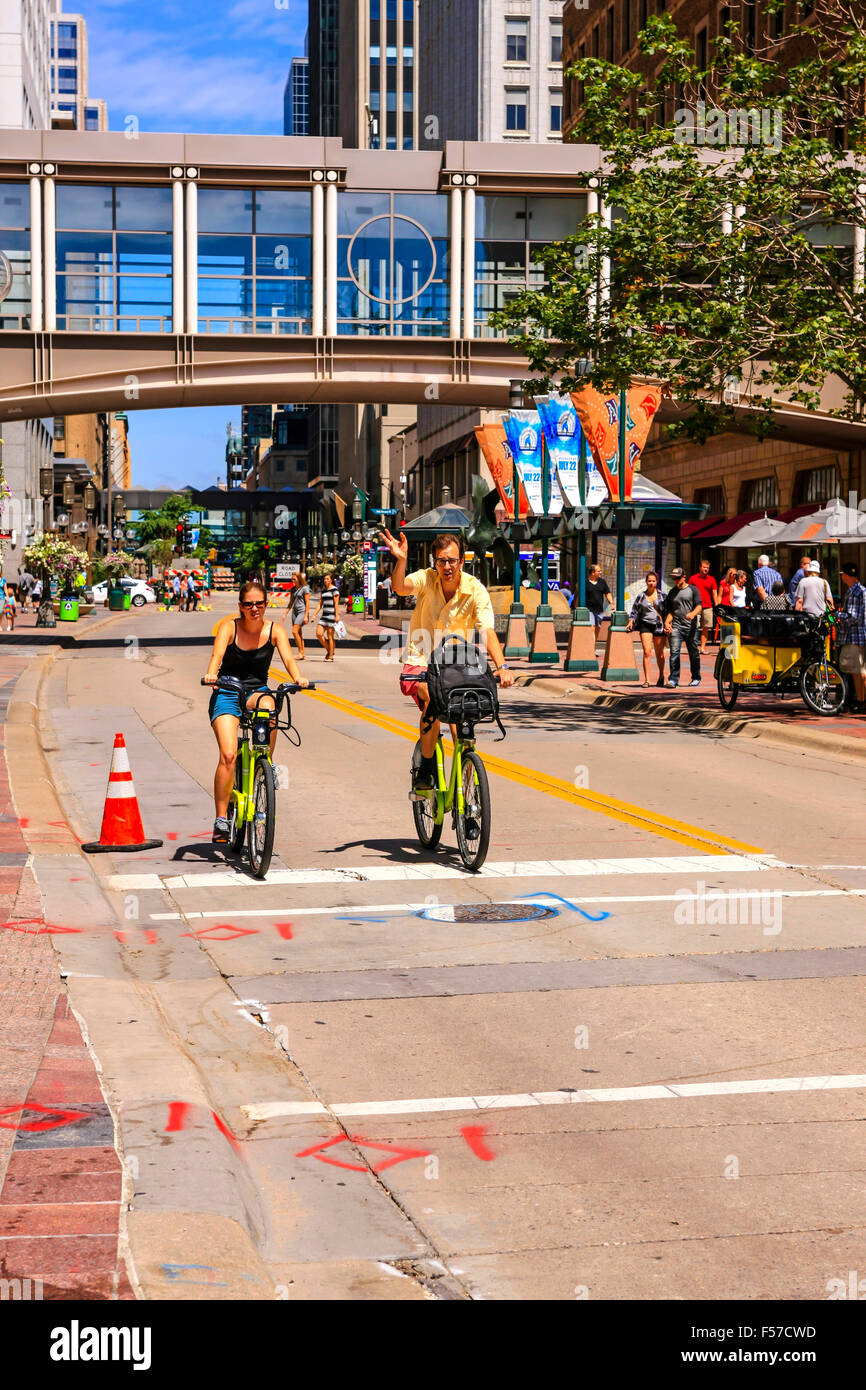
x: 122, y: 829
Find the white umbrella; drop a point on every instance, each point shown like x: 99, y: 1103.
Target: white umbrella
x: 835, y: 522
x: 767, y: 528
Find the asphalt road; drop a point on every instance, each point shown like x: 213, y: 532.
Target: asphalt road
x: 626, y: 1061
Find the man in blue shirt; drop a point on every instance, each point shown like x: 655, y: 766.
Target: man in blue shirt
x: 805, y: 561
x: 765, y: 577
x: 852, y: 625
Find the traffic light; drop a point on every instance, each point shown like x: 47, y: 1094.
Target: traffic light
x: 178, y: 538
x: 187, y: 537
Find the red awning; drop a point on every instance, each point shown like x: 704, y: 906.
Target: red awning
x: 695, y: 528
x: 720, y: 530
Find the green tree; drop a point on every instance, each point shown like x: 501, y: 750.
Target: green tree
x: 726, y: 271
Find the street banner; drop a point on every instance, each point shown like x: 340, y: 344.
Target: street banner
x: 526, y: 439
x: 563, y: 435
x: 497, y: 456
x: 599, y: 418
x: 370, y: 566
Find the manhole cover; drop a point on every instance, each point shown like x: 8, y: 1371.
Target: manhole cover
x: 487, y: 912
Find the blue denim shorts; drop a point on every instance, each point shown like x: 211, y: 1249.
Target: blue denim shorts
x: 229, y: 702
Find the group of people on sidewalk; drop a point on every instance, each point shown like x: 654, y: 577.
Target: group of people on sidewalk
x: 686, y: 615
x: 330, y: 625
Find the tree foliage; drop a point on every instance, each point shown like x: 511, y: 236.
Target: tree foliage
x: 727, y: 268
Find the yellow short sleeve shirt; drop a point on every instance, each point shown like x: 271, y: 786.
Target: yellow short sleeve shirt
x: 435, y: 616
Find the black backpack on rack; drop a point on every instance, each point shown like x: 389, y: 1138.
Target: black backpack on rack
x: 463, y: 691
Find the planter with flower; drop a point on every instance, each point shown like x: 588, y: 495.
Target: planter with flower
x: 54, y: 558
x: 115, y: 565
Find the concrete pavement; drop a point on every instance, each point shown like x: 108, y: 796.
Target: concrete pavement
x: 375, y: 1076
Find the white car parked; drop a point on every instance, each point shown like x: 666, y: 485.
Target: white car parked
x: 139, y: 592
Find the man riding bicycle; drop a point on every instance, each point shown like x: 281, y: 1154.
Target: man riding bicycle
x: 447, y: 600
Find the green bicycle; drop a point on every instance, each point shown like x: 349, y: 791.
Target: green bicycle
x: 252, y: 806
x: 466, y: 793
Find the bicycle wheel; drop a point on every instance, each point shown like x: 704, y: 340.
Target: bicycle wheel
x: 473, y: 826
x: 237, y: 828
x: 728, y: 689
x: 424, y: 812
x: 823, y: 687
x: 263, y: 821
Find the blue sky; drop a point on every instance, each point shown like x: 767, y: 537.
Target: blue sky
x: 194, y: 66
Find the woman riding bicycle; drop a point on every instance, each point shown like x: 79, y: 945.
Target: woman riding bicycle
x: 243, y: 649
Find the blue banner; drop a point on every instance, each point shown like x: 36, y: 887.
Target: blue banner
x: 563, y: 434
x: 525, y: 438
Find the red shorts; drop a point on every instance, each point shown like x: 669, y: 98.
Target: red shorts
x: 409, y: 678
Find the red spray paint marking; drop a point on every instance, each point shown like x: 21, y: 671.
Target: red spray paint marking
x: 171, y: 834
x: 235, y: 932
x: 64, y: 1117
x: 120, y: 935
x: 151, y: 938
x: 395, y: 1154
x: 23, y: 924
x: 285, y: 930
x: 177, y: 1112
x: 68, y: 827
x: 223, y: 1129
x: 474, y: 1136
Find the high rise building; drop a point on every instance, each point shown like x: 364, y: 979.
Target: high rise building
x: 490, y: 71
x: 323, y: 36
x: 25, y: 88
x: 379, y: 74
x: 71, y: 104
x: 296, y: 98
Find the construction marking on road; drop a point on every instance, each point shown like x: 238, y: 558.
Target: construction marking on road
x: 639, y: 816
x: 341, y: 911
x: 529, y: 1100
x: 680, y: 865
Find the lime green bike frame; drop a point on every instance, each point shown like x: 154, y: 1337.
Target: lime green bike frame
x: 449, y: 793
x: 249, y: 752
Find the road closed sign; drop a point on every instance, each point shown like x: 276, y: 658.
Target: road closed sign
x: 286, y: 571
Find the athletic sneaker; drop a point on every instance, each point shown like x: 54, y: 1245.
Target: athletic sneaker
x: 422, y: 778
x: 220, y: 831
x: 694, y: 682
x: 672, y: 685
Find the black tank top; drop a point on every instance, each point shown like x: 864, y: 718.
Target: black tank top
x: 247, y: 664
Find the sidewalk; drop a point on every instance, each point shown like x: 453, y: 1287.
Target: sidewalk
x: 60, y: 1177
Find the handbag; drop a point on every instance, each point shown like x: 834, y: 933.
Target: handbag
x: 340, y: 629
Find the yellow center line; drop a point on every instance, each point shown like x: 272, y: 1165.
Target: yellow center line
x: 642, y: 818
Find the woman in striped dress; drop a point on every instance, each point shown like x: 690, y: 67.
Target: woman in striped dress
x: 329, y: 607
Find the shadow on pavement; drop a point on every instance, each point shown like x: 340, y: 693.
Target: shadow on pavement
x: 522, y: 716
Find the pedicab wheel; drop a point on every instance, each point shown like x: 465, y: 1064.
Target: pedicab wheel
x: 424, y: 812
x: 728, y: 689
x: 263, y: 823
x: 824, y: 688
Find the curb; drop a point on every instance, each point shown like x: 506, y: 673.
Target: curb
x: 689, y: 717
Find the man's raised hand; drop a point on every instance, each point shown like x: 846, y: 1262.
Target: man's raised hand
x: 398, y: 548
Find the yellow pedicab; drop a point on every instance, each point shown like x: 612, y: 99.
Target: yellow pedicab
x: 780, y: 654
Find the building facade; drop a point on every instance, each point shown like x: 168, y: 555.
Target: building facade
x: 71, y: 105
x: 491, y: 70
x: 323, y: 41
x: 25, y: 84
x: 296, y: 98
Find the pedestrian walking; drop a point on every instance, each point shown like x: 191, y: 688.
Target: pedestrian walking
x: 647, y: 615
x: 725, y: 587
x: 175, y: 589
x: 682, y: 611
x: 739, y: 589
x: 191, y: 594
x: 852, y: 630
x: 777, y: 601
x: 329, y: 607
x: 299, y: 608
x: 765, y: 577
x: 805, y: 561
x: 597, y: 595
x: 708, y: 589
x: 9, y: 605
x: 813, y: 592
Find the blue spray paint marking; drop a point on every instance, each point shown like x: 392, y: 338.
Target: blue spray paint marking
x: 574, y: 907
x: 360, y: 919
x: 172, y: 1272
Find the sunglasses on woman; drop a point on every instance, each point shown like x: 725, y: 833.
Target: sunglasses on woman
x: 260, y: 604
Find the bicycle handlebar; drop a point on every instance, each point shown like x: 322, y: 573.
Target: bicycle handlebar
x: 234, y: 686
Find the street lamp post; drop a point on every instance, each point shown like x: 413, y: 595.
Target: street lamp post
x: 516, y: 640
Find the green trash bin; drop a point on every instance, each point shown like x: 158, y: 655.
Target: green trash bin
x: 118, y: 599
x: 357, y: 603
x: 68, y: 608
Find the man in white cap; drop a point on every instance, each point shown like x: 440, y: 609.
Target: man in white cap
x: 813, y: 592
x: 765, y: 577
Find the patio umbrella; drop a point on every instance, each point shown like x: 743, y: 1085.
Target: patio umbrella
x: 835, y: 522
x: 759, y: 532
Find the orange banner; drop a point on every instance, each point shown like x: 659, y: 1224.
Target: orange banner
x: 599, y: 418
x: 498, y: 457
